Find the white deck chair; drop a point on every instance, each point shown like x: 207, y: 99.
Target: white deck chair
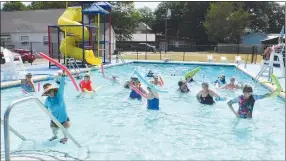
x: 238, y: 60
x: 210, y: 58
x: 223, y: 59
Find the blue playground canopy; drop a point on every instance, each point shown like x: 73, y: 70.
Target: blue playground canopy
x: 94, y: 9
x: 104, y: 5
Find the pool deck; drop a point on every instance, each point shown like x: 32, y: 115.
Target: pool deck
x: 41, y: 71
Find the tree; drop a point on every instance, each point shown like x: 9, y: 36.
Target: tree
x: 125, y: 19
x: 46, y: 5
x: 146, y: 16
x: 186, y: 20
x: 226, y: 21
x: 13, y: 6
x: 267, y: 17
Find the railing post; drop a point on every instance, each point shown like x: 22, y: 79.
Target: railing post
x: 137, y: 54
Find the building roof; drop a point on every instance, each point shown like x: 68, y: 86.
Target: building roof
x: 142, y: 27
x: 29, y: 21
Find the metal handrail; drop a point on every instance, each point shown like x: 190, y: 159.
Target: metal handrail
x: 6, y: 123
x: 15, y: 132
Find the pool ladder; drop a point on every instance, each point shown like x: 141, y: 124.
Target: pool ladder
x: 71, y: 63
x: 7, y: 128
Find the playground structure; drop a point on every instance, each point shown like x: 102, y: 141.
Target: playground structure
x: 74, y: 38
x: 12, y: 69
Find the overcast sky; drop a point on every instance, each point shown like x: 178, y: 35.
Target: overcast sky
x: 151, y: 5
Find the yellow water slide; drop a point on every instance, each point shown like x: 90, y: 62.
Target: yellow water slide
x: 72, y: 16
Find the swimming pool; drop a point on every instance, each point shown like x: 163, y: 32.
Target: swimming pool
x: 115, y: 127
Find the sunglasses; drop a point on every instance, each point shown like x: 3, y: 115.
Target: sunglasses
x: 86, y: 77
x: 29, y: 76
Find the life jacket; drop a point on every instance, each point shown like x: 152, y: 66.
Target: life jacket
x: 85, y: 85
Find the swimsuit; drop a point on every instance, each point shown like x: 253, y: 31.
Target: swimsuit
x: 153, y: 104
x: 246, y: 106
x: 85, y: 85
x: 28, y: 87
x: 208, y: 100
x: 135, y: 95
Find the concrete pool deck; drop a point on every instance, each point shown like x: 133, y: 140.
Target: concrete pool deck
x: 41, y: 71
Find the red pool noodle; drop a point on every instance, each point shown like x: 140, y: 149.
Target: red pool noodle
x: 62, y: 67
x: 24, y: 91
x: 161, y: 80
x: 138, y: 91
x: 39, y: 86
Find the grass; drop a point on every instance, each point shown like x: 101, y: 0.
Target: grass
x: 188, y: 56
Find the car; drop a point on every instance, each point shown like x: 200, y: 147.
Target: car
x: 26, y: 55
x: 143, y: 47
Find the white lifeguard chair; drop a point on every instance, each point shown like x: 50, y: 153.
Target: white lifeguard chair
x: 267, y: 65
x: 12, y: 69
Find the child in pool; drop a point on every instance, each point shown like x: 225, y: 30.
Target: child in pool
x: 78, y: 76
x: 246, y: 102
x: 86, y: 84
x: 56, y: 104
x: 152, y: 99
x: 27, y: 84
x: 150, y: 74
x: 220, y: 81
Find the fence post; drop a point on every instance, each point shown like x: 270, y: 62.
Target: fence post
x: 252, y: 55
x: 145, y: 55
x: 184, y: 56
x: 137, y: 54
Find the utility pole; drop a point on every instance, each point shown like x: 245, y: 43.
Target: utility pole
x: 168, y: 15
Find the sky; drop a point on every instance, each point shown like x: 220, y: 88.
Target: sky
x: 151, y: 5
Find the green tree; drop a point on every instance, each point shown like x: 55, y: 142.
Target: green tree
x: 226, y: 21
x: 13, y: 6
x: 267, y: 17
x: 125, y: 19
x: 46, y: 5
x: 146, y: 16
x: 186, y: 20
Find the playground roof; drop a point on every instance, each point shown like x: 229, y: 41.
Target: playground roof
x: 94, y: 9
x: 104, y: 5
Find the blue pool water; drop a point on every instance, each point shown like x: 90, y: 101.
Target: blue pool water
x: 114, y: 127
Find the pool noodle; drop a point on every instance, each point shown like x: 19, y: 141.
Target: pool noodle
x: 278, y: 89
x: 39, y: 87
x: 62, y: 67
x: 161, y: 80
x: 148, y: 84
x: 192, y: 73
x: 138, y: 91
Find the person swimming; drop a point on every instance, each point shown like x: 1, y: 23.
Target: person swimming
x: 156, y: 80
x: 150, y: 74
x: 231, y: 85
x: 127, y: 83
x: 183, y: 85
x: 152, y: 99
x: 246, y: 102
x: 220, y: 81
x: 27, y: 84
x: 133, y: 94
x: 205, y: 96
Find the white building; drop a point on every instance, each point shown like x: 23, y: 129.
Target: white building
x: 29, y: 30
